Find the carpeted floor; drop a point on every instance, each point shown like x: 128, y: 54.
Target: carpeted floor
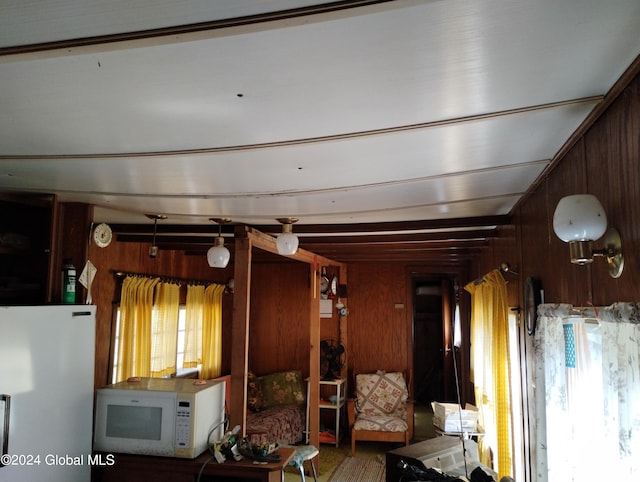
x: 331, y: 457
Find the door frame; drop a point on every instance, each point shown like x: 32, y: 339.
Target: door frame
x: 447, y: 283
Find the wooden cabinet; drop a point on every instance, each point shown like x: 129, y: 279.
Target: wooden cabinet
x: 25, y: 249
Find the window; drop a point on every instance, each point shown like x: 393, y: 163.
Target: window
x: 181, y: 333
x: 153, y: 327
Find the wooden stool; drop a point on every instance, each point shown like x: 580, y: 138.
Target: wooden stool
x: 304, y: 453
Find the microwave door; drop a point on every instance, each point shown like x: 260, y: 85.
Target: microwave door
x: 4, y: 426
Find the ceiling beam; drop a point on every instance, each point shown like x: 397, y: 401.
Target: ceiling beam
x: 320, y: 229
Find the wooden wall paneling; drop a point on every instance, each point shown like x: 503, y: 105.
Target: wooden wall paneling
x: 378, y: 337
x: 75, y: 226
x: 562, y: 281
x: 612, y: 159
x: 279, y: 326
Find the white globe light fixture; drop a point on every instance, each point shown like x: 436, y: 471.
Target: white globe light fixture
x: 218, y: 255
x: 287, y: 242
x: 579, y: 220
x: 580, y: 217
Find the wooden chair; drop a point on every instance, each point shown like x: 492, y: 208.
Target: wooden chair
x: 381, y: 410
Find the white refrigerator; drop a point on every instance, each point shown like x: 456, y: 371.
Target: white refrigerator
x: 46, y: 392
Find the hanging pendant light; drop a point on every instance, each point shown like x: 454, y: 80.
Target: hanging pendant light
x: 287, y: 242
x: 153, y: 249
x: 218, y: 256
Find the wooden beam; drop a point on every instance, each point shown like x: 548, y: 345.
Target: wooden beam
x: 245, y: 239
x: 240, y: 331
x: 268, y: 243
x: 314, y: 356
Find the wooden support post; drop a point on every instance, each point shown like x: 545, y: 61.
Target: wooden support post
x: 314, y: 355
x: 240, y: 330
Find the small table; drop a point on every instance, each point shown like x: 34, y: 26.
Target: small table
x: 247, y: 469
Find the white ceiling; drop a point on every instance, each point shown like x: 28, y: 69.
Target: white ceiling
x: 389, y: 112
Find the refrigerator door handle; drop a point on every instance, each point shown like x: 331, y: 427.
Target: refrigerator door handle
x: 4, y: 426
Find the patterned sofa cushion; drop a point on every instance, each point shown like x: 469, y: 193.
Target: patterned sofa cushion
x: 381, y: 394
x: 282, y: 388
x: 255, y: 398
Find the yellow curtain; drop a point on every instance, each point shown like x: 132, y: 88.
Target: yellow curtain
x: 490, y: 368
x: 212, y: 332
x: 194, y: 312
x: 134, y: 339
x: 165, y: 329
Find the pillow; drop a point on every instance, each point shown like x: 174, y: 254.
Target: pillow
x: 381, y: 393
x: 282, y: 388
x: 255, y: 398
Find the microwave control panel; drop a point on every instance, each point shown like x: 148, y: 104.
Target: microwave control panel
x: 183, y: 424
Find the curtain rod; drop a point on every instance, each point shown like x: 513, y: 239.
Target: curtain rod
x: 122, y: 274
x: 504, y: 268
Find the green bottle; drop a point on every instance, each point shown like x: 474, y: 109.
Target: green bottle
x: 68, y: 283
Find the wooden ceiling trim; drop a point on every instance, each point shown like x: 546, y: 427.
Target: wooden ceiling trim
x: 437, y: 237
x: 320, y: 229
x: 173, y: 33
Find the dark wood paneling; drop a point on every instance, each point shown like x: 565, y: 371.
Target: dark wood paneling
x: 378, y: 304
x: 604, y: 163
x: 612, y: 153
x: 279, y: 318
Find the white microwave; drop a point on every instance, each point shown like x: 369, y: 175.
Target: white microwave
x: 170, y: 417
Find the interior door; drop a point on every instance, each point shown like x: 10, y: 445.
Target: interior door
x: 434, y: 376
x: 428, y: 368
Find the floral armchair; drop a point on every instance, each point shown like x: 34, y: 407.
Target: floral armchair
x: 381, y: 409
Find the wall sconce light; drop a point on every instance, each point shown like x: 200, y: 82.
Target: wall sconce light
x: 218, y: 256
x: 287, y: 242
x: 579, y: 220
x: 153, y: 249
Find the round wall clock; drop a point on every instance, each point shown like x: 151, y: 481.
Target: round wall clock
x: 531, y: 301
x: 102, y: 235
x: 333, y: 286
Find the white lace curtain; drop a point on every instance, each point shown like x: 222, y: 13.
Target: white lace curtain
x: 587, y: 393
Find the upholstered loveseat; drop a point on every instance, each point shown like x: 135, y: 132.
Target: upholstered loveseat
x: 276, y: 407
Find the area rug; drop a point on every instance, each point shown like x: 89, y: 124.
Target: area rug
x: 353, y: 469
